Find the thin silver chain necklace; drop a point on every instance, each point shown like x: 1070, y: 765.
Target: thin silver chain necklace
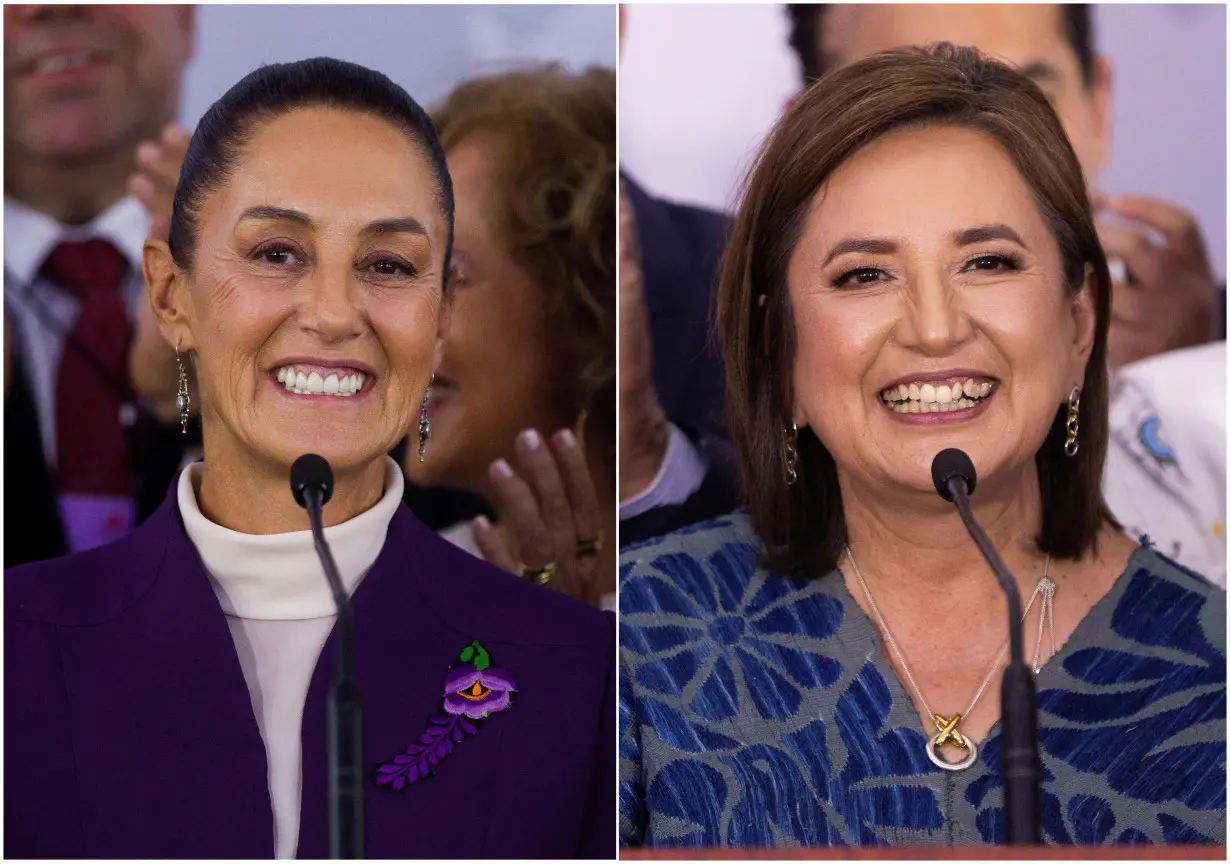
x: 948, y: 731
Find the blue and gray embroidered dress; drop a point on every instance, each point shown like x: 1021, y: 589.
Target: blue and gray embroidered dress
x: 760, y: 710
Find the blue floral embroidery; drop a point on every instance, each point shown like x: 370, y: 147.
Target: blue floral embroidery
x: 718, y: 652
x: 1105, y: 733
x: 715, y: 628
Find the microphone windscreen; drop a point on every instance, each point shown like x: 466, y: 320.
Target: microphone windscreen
x: 311, y: 470
x: 951, y: 463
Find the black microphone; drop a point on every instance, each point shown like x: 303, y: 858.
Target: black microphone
x: 311, y: 482
x: 955, y: 479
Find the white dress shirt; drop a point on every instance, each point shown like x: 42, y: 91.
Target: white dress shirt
x: 280, y: 611
x: 41, y: 312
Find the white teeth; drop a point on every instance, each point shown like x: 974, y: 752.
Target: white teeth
x: 943, y: 395
x: 926, y: 393
x: 313, y: 383
x: 914, y: 393
x: 970, y: 388
x: 60, y: 62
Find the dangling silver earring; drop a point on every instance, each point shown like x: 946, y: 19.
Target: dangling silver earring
x: 792, y: 455
x: 182, y: 400
x: 424, y: 423
x: 1074, y: 422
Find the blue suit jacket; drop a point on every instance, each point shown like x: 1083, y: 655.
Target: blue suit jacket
x: 129, y: 730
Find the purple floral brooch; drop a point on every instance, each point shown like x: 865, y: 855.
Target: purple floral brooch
x: 472, y: 690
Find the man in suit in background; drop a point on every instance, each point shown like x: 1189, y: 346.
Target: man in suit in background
x: 84, y: 87
x: 1166, y: 296
x: 675, y: 466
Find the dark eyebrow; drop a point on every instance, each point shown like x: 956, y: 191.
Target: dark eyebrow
x: 871, y: 245
x: 983, y: 233
x: 1040, y: 70
x: 405, y: 225
x: 266, y: 211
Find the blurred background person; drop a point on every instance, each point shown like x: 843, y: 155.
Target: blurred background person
x: 84, y: 86
x: 675, y: 464
x: 522, y: 408
x: 1166, y: 295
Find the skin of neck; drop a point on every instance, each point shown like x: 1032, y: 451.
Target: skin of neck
x: 907, y: 543
x: 75, y: 191
x: 242, y: 492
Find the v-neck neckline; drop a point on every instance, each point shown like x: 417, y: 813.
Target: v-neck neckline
x: 901, y: 694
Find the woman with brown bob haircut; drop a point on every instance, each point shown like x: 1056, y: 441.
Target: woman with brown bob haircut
x: 914, y: 267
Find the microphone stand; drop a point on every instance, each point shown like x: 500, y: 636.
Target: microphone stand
x: 1019, y: 700
x: 345, y: 723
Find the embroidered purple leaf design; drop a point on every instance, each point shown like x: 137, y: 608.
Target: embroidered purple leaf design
x: 473, y: 690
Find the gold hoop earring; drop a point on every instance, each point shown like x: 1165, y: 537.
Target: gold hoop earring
x: 1074, y: 422
x: 792, y: 455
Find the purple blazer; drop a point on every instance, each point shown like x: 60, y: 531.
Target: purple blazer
x: 129, y: 730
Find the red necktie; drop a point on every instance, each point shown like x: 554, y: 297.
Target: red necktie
x: 91, y: 385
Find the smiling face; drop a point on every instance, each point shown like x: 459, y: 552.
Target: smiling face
x: 924, y: 263
x: 495, y: 377
x: 322, y: 253
x: 83, y: 79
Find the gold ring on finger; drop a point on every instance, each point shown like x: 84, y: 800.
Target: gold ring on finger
x: 587, y: 547
x: 541, y: 576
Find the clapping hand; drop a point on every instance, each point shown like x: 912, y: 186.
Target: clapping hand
x: 154, y: 181
x: 1169, y: 300
x: 551, y: 516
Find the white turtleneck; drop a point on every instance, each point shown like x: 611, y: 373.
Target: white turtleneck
x: 280, y: 611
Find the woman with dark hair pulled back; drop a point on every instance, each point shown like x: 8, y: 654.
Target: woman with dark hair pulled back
x: 166, y: 694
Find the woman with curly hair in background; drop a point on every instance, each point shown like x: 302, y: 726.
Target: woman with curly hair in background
x: 522, y: 410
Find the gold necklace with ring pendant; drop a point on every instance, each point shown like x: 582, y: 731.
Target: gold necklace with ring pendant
x: 947, y: 726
